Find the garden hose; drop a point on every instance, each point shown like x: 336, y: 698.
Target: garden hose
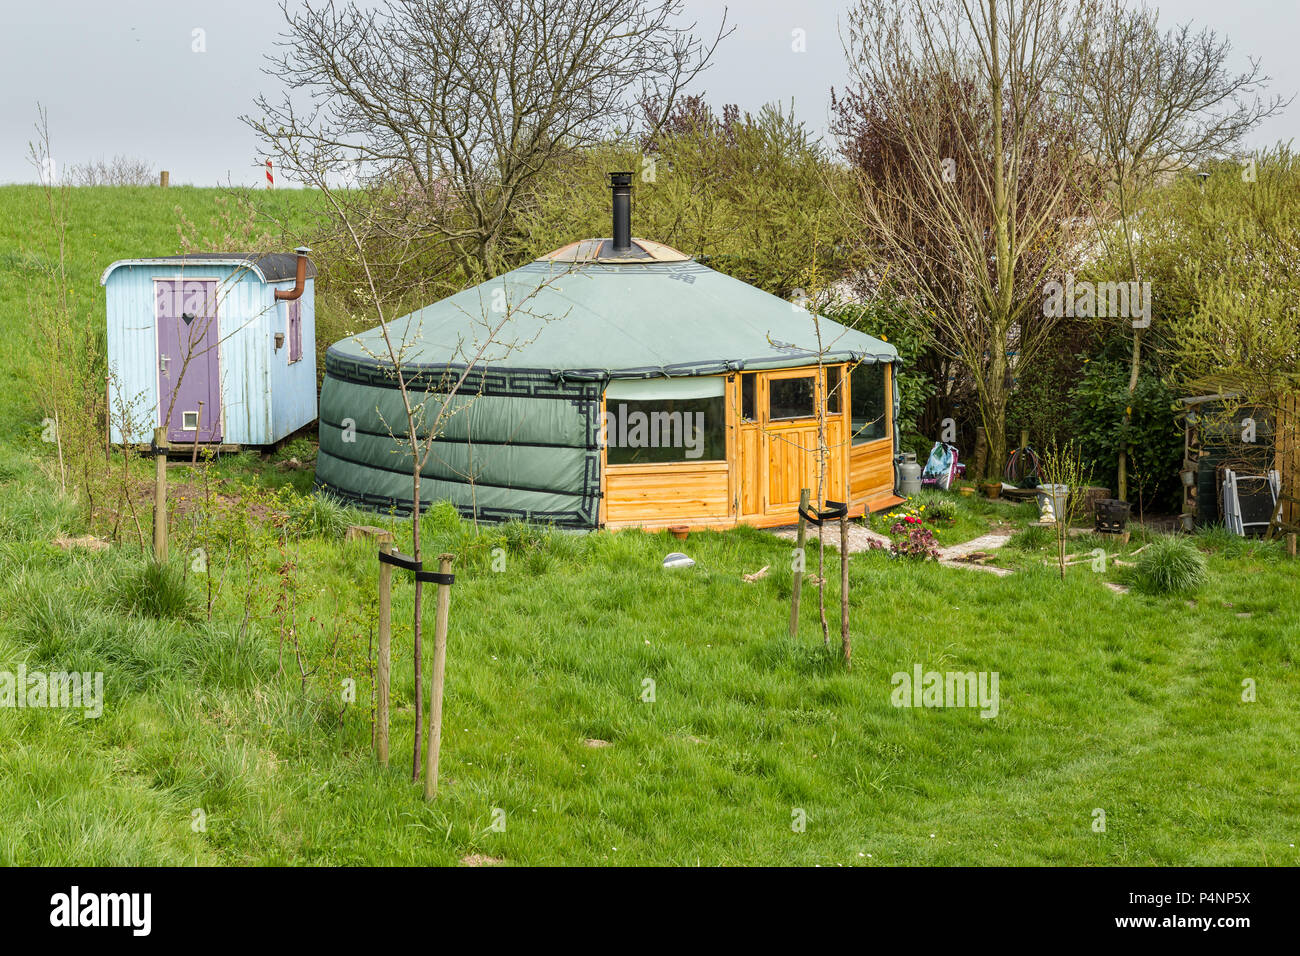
x: 1015, y: 471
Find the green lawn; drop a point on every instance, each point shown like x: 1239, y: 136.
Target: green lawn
x: 1126, y: 703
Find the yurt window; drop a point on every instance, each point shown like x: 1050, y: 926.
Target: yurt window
x: 666, y: 420
x: 791, y: 398
x: 749, y: 396
x: 867, y: 402
x: 834, y: 390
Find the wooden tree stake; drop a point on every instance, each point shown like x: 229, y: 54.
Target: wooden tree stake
x: 160, y: 496
x: 1290, y: 544
x: 198, y: 423
x: 798, y: 574
x: 844, y: 592
x: 385, y: 654
x: 439, y: 673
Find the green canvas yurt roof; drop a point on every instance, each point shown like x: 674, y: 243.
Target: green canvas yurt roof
x: 586, y: 313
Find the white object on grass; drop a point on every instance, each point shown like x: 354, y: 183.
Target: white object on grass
x: 678, y: 560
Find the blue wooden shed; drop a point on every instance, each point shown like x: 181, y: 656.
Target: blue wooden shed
x: 217, y: 347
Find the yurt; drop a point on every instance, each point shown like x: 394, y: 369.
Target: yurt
x: 612, y: 383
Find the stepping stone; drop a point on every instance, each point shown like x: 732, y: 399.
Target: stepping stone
x: 992, y: 569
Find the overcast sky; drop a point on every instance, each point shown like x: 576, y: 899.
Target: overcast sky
x: 122, y: 76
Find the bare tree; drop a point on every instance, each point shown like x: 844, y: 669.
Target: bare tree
x: 428, y: 399
x: 66, y: 379
x: 970, y: 177
x: 118, y: 171
x: 1154, y: 103
x: 460, y: 105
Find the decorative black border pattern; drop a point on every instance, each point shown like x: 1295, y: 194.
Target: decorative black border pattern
x: 583, y: 517
x: 481, y: 380
x: 572, y: 383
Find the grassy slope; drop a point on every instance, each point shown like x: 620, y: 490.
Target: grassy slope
x: 1127, y: 703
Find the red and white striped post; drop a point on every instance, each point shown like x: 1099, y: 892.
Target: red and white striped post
x: 270, y: 180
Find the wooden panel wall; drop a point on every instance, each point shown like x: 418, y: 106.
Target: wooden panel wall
x: 750, y: 479
x: 871, y: 470
x: 663, y: 495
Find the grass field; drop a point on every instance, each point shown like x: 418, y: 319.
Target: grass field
x: 212, y: 749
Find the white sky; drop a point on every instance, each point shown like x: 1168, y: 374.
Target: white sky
x: 121, y: 77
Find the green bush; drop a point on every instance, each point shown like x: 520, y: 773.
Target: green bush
x: 318, y: 516
x: 1153, y: 434
x: 938, y: 507
x: 1034, y: 538
x: 154, y: 590
x: 1170, y: 565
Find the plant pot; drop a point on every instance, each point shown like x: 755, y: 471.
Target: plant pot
x: 966, y: 490
x: 1188, y: 476
x: 1188, y: 522
x: 680, y: 532
x: 1058, y: 495
x: 991, y: 489
x: 1112, y: 515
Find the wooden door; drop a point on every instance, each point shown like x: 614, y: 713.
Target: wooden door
x: 189, y: 373
x: 791, y: 430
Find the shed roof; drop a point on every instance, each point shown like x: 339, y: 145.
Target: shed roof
x: 581, y: 315
x: 269, y: 266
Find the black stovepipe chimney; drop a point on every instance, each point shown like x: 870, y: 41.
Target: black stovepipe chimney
x: 621, y: 186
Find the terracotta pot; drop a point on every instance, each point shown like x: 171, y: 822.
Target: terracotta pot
x: 966, y: 490
x: 680, y: 532
x: 991, y: 489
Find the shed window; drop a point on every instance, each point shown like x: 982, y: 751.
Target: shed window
x: 791, y: 398
x: 666, y: 420
x: 749, y: 396
x: 295, y: 329
x: 834, y: 390
x: 868, y: 402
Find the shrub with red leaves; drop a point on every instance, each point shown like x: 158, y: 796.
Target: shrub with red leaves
x: 917, y: 543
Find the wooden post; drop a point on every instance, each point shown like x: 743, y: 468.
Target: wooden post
x: 798, y: 574
x: 160, y: 496
x: 108, y: 422
x: 164, y: 179
x: 1290, y: 544
x: 385, y: 653
x: 439, y: 673
x: 844, y: 592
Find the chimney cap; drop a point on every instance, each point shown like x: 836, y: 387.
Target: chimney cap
x: 620, y: 179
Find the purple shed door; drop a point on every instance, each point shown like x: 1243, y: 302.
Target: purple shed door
x: 188, y: 368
